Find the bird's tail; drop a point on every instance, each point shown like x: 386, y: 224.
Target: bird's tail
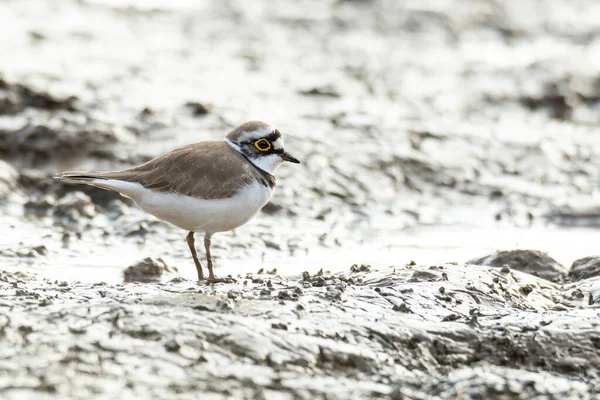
x: 100, y: 180
x: 103, y: 180
x: 85, y: 177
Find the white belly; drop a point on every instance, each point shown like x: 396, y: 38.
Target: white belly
x: 197, y: 215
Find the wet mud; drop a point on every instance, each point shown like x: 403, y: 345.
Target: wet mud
x: 411, y: 331
x: 460, y: 135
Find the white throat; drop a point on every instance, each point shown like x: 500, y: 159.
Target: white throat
x: 268, y: 163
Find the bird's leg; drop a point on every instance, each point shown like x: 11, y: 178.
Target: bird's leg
x: 211, y: 274
x: 190, y: 242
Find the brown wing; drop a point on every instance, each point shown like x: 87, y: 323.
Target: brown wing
x: 207, y: 170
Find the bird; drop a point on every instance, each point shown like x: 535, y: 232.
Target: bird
x: 205, y: 187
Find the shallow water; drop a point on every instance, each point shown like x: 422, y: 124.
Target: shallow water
x: 103, y: 261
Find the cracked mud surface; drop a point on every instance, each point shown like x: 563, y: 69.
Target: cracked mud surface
x: 455, y: 134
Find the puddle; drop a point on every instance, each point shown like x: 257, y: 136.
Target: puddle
x: 101, y: 261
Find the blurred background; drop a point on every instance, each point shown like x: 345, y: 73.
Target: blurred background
x: 428, y: 130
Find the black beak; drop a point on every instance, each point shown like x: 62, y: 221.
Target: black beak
x: 288, y: 157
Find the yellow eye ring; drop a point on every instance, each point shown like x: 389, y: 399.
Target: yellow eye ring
x: 262, y: 144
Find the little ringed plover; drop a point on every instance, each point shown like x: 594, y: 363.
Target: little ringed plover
x: 208, y: 187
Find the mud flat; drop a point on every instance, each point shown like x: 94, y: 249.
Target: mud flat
x: 409, y: 331
x: 437, y: 132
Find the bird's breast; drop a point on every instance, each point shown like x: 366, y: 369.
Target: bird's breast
x: 208, y: 215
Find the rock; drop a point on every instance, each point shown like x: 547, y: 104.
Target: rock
x: 272, y: 208
x: 585, y: 268
x: 402, y: 307
x: 533, y: 262
x: 526, y: 289
x: 360, y: 268
x: 148, y: 267
x: 197, y: 108
x: 172, y: 346
x: 272, y: 245
x: 424, y: 276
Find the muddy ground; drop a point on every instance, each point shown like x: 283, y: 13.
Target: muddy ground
x: 431, y: 134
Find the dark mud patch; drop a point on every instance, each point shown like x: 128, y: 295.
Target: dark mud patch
x: 584, y: 268
x: 561, y: 97
x: 321, y: 91
x: 15, y: 98
x: 39, y: 127
x: 40, y: 143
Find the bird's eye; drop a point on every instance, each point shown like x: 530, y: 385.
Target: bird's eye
x: 262, y: 144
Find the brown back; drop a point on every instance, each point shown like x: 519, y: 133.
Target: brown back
x: 206, y: 170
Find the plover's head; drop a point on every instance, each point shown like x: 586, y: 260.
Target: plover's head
x: 261, y: 144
